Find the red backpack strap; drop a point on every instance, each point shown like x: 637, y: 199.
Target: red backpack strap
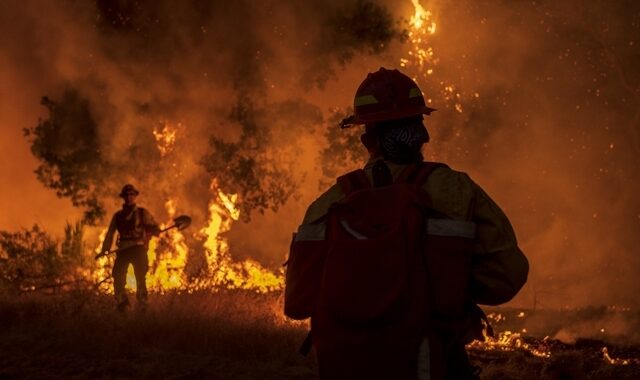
x: 353, y: 181
x: 418, y: 173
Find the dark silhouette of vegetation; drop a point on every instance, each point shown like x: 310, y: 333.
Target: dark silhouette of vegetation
x: 363, y: 26
x: 343, y: 151
x: 32, y: 260
x: 67, y: 146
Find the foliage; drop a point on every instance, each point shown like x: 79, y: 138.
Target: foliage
x: 260, y: 165
x: 363, y: 26
x: 32, y: 260
x: 66, y: 144
x: 343, y: 150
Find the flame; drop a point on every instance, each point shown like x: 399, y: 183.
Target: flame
x: 224, y: 271
x: 102, y: 272
x: 168, y: 255
x: 168, y: 265
x: 166, y: 137
x: 421, y: 56
x: 167, y: 262
x: 421, y: 28
x: 421, y: 16
x: 509, y: 341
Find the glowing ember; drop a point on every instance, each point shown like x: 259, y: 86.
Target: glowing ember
x: 617, y: 361
x: 165, y: 138
x: 509, y: 341
x: 496, y: 317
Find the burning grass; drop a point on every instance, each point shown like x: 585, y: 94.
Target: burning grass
x: 243, y: 335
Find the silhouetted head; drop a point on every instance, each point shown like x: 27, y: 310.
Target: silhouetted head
x: 129, y: 193
x: 398, y: 141
x: 391, y: 107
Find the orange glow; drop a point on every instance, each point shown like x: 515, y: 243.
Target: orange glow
x: 421, y: 56
x: 509, y: 341
x: 167, y: 264
x: 168, y: 272
x: 224, y: 272
x: 165, y: 137
x: 617, y: 361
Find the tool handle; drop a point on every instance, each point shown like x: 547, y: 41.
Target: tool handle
x: 168, y: 228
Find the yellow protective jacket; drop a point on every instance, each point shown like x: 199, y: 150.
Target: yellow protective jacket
x: 499, y: 268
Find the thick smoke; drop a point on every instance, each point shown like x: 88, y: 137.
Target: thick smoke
x: 121, y: 72
x: 549, y: 94
x: 151, y: 55
x: 552, y: 135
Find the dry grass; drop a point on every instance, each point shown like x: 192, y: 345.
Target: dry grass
x: 229, y: 335
x: 226, y: 335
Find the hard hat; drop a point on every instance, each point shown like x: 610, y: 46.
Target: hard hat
x: 128, y: 188
x: 386, y: 95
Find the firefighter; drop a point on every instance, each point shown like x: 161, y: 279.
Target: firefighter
x: 391, y: 107
x: 135, y: 226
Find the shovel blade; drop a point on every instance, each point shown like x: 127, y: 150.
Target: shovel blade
x: 182, y: 222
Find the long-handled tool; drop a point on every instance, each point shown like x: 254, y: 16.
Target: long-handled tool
x: 181, y: 222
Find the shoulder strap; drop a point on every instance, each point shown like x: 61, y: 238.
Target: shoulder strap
x: 418, y: 173
x: 353, y: 181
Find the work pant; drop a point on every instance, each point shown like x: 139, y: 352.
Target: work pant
x: 136, y: 256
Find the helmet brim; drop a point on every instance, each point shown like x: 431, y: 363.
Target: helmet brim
x: 384, y: 116
x: 124, y: 194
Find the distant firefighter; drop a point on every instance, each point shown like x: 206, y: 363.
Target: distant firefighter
x: 391, y: 261
x: 135, y: 226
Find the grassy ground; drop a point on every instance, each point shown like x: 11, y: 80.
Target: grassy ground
x: 237, y: 335
x: 180, y: 336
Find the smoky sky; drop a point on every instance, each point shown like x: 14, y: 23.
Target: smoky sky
x: 549, y: 94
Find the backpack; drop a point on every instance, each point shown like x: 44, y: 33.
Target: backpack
x: 374, y: 276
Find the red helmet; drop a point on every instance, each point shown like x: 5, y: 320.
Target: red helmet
x: 386, y: 95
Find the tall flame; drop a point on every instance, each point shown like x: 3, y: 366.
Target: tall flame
x: 421, y: 56
x: 168, y: 266
x: 247, y: 274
